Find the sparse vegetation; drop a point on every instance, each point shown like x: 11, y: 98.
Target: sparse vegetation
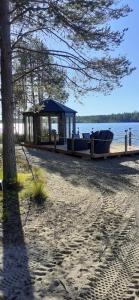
x: 33, y: 188
x: 27, y: 186
x: 38, y: 193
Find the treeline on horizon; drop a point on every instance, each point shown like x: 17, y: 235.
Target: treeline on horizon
x: 113, y: 118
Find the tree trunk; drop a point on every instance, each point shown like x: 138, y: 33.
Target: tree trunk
x: 32, y: 82
x: 9, y: 159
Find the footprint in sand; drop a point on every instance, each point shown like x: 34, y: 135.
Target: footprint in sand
x: 39, y: 273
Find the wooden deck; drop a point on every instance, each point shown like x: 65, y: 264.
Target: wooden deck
x: 115, y: 150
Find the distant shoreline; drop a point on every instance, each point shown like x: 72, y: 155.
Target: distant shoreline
x: 113, y: 118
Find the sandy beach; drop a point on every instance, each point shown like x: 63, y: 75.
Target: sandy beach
x: 84, y: 244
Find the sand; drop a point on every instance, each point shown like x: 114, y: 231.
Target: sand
x: 84, y: 244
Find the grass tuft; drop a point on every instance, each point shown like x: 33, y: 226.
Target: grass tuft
x: 38, y: 193
x: 28, y: 187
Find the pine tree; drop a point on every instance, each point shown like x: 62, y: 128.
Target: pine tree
x: 9, y: 160
x: 44, y: 81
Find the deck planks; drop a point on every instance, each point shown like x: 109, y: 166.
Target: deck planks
x: 115, y: 150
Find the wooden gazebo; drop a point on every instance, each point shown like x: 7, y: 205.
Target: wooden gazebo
x: 54, y: 120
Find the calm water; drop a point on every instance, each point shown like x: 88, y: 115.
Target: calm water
x: 117, y: 128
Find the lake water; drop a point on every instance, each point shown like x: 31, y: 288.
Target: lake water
x: 117, y: 128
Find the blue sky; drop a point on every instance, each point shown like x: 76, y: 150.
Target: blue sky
x: 123, y: 99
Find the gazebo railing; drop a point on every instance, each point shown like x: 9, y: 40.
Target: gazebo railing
x: 124, y: 143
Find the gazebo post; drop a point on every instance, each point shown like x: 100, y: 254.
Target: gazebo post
x: 36, y: 127
x: 49, y: 126
x: 62, y: 128
x: 74, y: 124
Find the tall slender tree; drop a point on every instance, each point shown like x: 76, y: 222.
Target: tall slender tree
x: 45, y: 81
x: 9, y: 160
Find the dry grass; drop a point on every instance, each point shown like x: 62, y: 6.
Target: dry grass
x: 28, y: 187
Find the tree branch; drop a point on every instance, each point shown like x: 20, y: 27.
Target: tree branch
x: 20, y: 15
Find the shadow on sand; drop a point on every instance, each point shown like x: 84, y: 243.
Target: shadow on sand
x: 15, y: 274
x: 108, y: 175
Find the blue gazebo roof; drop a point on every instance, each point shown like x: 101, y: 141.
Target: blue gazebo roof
x: 50, y: 106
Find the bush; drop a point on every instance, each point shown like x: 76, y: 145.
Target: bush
x: 29, y: 187
x: 38, y: 193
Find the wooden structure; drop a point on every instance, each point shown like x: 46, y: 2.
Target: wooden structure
x: 55, y: 122
x: 116, y: 150
x: 119, y: 149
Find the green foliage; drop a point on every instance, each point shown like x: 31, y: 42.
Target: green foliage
x: 29, y: 188
x: 1, y: 174
x: 23, y: 178
x: 98, y: 237
x: 113, y: 118
x: 34, y: 188
x: 22, y: 187
x: 39, y: 174
x: 78, y: 27
x: 38, y: 194
x: 37, y: 76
